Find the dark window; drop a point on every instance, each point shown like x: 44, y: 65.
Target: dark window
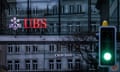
x: 70, y: 64
x: 35, y: 48
x: 70, y: 48
x: 55, y: 10
x: 51, y: 28
x: 51, y: 48
x: 70, y: 27
x: 77, y: 64
x: 10, y: 66
x: 10, y: 49
x: 27, y: 64
x: 58, y: 47
x: 35, y: 64
x: 58, y: 64
x: 63, y: 9
x: 17, y: 65
x: 77, y: 47
x: 27, y: 48
x: 51, y: 64
x: 17, y: 49
x: 78, y: 27
x: 71, y: 8
x: 79, y: 9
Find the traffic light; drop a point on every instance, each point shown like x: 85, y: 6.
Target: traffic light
x: 107, y: 46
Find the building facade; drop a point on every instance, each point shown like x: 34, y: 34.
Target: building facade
x: 66, y: 45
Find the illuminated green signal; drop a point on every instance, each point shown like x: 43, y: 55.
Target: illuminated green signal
x: 107, y: 56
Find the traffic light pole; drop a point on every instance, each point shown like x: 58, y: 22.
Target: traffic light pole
x: 103, y: 7
x: 89, y: 15
x: 118, y: 15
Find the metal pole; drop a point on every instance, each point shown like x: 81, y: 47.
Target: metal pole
x: 89, y: 25
x: 89, y: 15
x: 118, y: 15
x: 59, y: 24
x: 28, y: 13
x: 104, y: 10
x: 28, y: 7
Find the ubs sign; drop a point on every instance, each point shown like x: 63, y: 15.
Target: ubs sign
x: 34, y: 23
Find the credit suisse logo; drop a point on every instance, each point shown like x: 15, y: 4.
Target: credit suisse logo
x: 34, y: 23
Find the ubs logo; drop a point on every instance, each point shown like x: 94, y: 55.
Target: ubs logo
x: 34, y: 23
x: 15, y: 24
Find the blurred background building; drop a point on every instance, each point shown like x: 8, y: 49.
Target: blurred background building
x: 70, y: 42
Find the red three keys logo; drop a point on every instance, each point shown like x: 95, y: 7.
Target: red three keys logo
x: 35, y: 23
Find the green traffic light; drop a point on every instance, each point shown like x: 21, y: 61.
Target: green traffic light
x: 107, y: 56
x: 107, y: 46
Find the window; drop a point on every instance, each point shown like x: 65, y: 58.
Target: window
x: 10, y: 49
x: 78, y: 27
x: 94, y: 26
x: 63, y: 9
x: 71, y: 8
x: 70, y: 27
x: 17, y: 49
x: 58, y: 64
x: 58, y: 47
x: 51, y: 28
x: 11, y: 12
x: 17, y: 65
x: 35, y: 48
x: 51, y: 48
x: 70, y: 64
x: 64, y: 28
x: 70, y: 48
x: 79, y: 9
x: 31, y: 64
x: 27, y: 64
x: 55, y: 10
x: 66, y: 8
x: 77, y: 64
x: 33, y: 11
x: 27, y: 49
x: 77, y: 47
x: 64, y: 46
x: 35, y: 64
x: 74, y: 29
x: 51, y: 64
x: 56, y: 28
x: 93, y: 9
x: 10, y: 66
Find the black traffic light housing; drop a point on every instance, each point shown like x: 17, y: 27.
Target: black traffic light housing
x: 107, y: 46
